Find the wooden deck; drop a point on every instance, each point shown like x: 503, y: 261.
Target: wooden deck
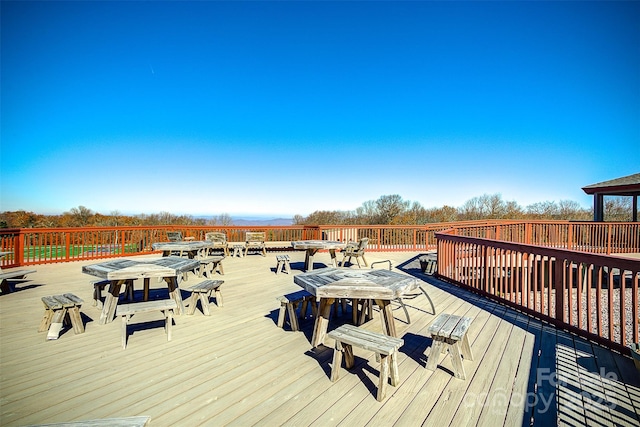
x: 237, y: 367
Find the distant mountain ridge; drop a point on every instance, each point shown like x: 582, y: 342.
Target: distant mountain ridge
x: 274, y: 221
x: 254, y: 221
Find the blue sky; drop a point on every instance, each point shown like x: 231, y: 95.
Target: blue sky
x: 283, y: 108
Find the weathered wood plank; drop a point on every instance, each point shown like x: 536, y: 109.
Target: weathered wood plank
x: 250, y: 372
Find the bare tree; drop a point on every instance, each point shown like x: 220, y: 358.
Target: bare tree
x: 390, y: 207
x: 81, y: 215
x: 618, y: 208
x: 222, y: 219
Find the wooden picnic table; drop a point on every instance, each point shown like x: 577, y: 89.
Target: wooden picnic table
x: 190, y: 248
x: 313, y: 246
x: 329, y: 284
x: 119, y: 271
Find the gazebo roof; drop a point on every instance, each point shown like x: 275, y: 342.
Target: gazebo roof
x: 625, y: 186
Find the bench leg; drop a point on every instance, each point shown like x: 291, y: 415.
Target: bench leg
x: 287, y: 267
x: 76, y: 320
x: 293, y: 317
x: 193, y: 301
x: 56, y: 324
x: 204, y: 301
x: 465, y: 348
x: 395, y: 373
x: 281, y: 315
x: 458, y: 367
x: 384, y: 377
x: 434, y: 354
x: 168, y: 322
x: 46, y: 320
x: 337, y: 361
x: 125, y: 320
x: 349, y: 360
x: 278, y: 267
x: 219, y: 301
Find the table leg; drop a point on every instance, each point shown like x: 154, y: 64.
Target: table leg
x: 354, y: 311
x: 308, y: 259
x: 146, y: 289
x: 322, y: 322
x: 174, y: 292
x: 111, y: 301
x: 334, y: 261
x: 387, y: 317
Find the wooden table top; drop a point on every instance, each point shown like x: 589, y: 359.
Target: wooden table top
x: 351, y: 283
x: 193, y: 245
x: 121, y: 269
x: 318, y: 244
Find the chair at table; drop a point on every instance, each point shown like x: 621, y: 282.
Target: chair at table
x: 219, y: 240
x: 209, y: 263
x: 255, y: 240
x: 174, y: 236
x: 409, y: 295
x: 355, y: 250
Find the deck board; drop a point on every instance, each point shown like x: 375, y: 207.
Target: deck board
x: 236, y: 367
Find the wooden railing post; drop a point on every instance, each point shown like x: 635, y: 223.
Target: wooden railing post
x: 558, y: 285
x: 18, y: 252
x: 570, y: 244
x: 67, y: 245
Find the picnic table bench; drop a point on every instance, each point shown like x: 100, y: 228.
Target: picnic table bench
x: 449, y: 334
x: 58, y: 309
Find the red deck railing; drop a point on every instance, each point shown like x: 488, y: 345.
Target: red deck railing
x: 563, y: 273
x: 31, y: 246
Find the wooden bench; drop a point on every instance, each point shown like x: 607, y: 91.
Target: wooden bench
x: 283, y: 264
x: 347, y: 336
x: 203, y: 291
x: 289, y: 304
x: 106, y: 422
x: 449, y: 333
x: 255, y: 240
x: 16, y: 274
x: 127, y: 310
x: 59, y: 309
x: 209, y: 265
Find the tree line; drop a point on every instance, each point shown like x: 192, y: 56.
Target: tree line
x: 393, y: 210
x: 388, y: 209
x: 85, y: 217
